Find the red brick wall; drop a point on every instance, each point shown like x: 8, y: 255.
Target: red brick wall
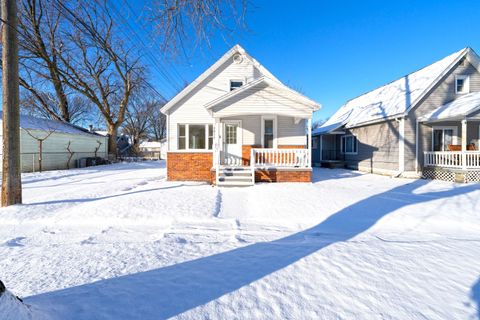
x: 283, y: 176
x: 189, y: 166
x: 246, y: 153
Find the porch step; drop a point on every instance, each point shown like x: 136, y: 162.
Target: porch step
x: 235, y: 176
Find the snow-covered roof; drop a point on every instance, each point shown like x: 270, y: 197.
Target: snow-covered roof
x: 457, y: 109
x: 296, y: 98
x: 393, y: 99
x: 34, y: 123
x: 228, y: 55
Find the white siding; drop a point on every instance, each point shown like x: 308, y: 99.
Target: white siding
x: 291, y: 133
x: 191, y: 109
x: 261, y: 100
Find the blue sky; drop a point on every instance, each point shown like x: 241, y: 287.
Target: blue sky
x: 333, y: 51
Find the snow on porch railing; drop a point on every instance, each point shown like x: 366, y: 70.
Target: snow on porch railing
x: 452, y: 159
x: 280, y: 158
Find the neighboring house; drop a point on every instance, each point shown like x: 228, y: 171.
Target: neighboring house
x: 154, y: 149
x: 426, y: 123
x: 236, y: 124
x: 124, y: 142
x: 57, y: 135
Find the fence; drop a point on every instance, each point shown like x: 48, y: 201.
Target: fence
x: 30, y: 161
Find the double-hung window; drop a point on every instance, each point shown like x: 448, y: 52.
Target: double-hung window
x: 269, y: 132
x: 349, y: 144
x: 195, y: 137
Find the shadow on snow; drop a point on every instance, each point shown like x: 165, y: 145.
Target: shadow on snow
x: 168, y: 291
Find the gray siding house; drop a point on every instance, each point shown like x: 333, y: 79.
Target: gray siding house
x: 423, y: 124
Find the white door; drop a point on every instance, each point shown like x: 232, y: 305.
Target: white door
x: 232, y: 142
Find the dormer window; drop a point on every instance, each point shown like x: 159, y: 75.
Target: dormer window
x: 462, y: 84
x: 235, y: 84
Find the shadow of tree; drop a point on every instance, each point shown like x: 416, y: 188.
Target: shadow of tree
x: 172, y: 290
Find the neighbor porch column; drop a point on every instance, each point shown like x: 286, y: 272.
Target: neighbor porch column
x: 464, y: 143
x: 309, y: 128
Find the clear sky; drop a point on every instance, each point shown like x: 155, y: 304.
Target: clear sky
x: 333, y: 51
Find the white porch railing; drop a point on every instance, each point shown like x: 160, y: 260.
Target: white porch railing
x: 293, y: 158
x: 452, y: 159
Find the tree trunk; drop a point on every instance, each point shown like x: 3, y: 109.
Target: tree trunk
x: 112, y: 139
x: 11, y: 177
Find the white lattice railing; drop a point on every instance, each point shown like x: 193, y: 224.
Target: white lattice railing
x: 452, y: 159
x: 280, y: 158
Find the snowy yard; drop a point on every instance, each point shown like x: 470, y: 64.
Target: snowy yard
x: 120, y: 242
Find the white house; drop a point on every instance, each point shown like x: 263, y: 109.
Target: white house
x: 237, y: 124
x: 57, y: 136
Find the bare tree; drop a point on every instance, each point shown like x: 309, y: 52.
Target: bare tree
x: 71, y: 153
x: 40, y: 141
x: 195, y: 21
x: 99, y: 65
x: 41, y: 44
x: 157, y: 123
x: 99, y: 143
x: 141, y: 117
x: 11, y: 175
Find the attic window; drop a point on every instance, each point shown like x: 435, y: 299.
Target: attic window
x: 235, y: 84
x: 462, y: 84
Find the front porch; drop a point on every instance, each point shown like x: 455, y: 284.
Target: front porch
x: 264, y: 165
x: 451, y: 141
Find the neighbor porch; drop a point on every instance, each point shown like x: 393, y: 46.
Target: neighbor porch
x: 451, y: 141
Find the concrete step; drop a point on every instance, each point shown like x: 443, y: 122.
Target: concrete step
x: 235, y: 183
x: 234, y: 178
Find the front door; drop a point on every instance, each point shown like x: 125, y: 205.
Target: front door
x: 232, y: 142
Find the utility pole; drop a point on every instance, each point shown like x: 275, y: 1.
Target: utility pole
x: 11, y: 175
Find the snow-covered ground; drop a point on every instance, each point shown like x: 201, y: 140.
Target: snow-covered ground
x: 120, y: 242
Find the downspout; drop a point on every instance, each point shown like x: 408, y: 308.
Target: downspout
x: 401, y: 146
x: 416, y: 146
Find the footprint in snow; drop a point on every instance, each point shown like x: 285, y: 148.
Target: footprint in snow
x: 89, y: 240
x: 15, y: 242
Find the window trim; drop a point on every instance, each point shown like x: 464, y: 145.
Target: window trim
x: 455, y: 134
x: 275, y: 136
x: 187, y: 136
x: 344, y: 137
x: 466, y: 83
x: 236, y: 80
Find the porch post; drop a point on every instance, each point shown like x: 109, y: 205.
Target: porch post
x: 309, y: 158
x: 464, y: 144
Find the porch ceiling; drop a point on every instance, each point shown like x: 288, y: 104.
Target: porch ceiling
x: 458, y: 109
x: 262, y: 97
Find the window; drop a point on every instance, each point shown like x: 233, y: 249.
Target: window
x: 349, y: 145
x: 210, y: 136
x: 462, y: 84
x: 195, y: 136
x: 442, y: 137
x: 235, y: 84
x: 181, y: 137
x: 231, y: 133
x: 268, y: 133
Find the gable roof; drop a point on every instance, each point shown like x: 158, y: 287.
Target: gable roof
x: 281, y: 89
x: 457, y: 109
x: 228, y: 55
x: 394, y: 99
x: 33, y: 123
